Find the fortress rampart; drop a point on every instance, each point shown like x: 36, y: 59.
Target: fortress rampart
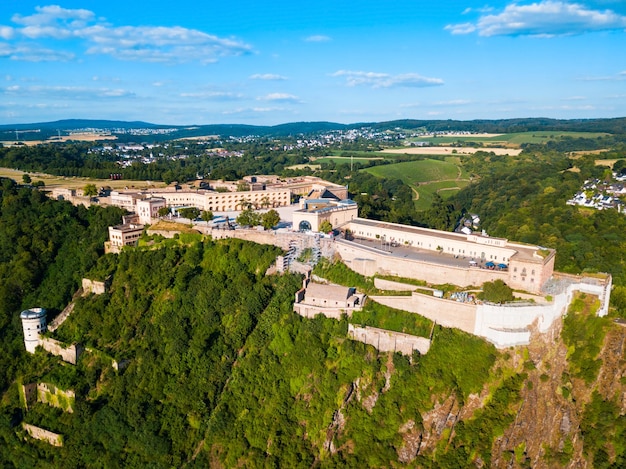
x: 389, y: 341
x: 503, y: 325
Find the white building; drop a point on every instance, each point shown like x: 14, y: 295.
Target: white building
x: 148, y: 209
x: 125, y: 235
x: 313, y: 212
x: 33, y: 324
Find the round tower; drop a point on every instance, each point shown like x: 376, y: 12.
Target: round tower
x: 34, y: 324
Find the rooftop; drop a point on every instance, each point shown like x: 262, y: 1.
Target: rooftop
x: 33, y: 313
x: 329, y: 292
x: 524, y: 251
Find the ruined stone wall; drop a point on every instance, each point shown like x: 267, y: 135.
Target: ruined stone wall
x: 45, y: 435
x: 93, y: 286
x: 69, y: 353
x: 55, y: 397
x: 28, y: 394
x: 389, y: 341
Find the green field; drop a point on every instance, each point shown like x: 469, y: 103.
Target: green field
x: 445, y: 189
x: 345, y: 159
x: 415, y: 172
x: 426, y: 177
x: 512, y: 139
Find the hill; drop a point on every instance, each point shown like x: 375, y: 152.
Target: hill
x: 222, y: 373
x: 48, y: 129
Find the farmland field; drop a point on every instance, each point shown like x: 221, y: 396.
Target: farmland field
x: 345, y: 159
x: 426, y: 177
x: 73, y: 182
x: 415, y: 172
x: 513, y: 140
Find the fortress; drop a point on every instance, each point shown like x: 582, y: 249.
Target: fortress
x: 460, y: 259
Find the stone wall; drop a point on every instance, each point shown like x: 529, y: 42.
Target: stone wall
x: 390, y: 285
x: 51, y: 395
x: 503, y: 325
x: 389, y: 341
x: 28, y: 394
x: 309, y: 311
x: 93, y: 286
x: 444, y: 312
x: 368, y: 262
x: 45, y: 435
x: 68, y: 353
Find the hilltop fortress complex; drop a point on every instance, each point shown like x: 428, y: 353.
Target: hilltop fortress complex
x: 374, y: 248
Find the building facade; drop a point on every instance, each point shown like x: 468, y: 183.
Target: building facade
x: 125, y: 235
x: 314, y: 212
x: 148, y: 209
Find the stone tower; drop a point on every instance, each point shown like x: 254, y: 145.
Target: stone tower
x: 34, y: 324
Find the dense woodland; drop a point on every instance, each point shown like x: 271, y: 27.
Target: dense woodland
x: 222, y: 373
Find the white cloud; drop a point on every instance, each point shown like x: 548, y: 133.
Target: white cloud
x: 213, y: 95
x: 453, y: 102
x: 6, y: 32
x: 546, y: 18
x: 317, y: 38
x: 66, y: 92
x: 33, y: 54
x: 138, y: 43
x: 268, y: 77
x: 53, y: 13
x: 284, y: 97
x: 385, y: 80
x: 251, y: 110
x: 617, y: 77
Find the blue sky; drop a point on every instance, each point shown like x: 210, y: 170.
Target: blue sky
x: 264, y: 63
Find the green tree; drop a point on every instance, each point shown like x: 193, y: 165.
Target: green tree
x: 496, y: 292
x: 270, y: 219
x: 326, y: 227
x: 26, y: 179
x: 206, y: 215
x: 189, y: 212
x: 164, y: 211
x: 90, y: 190
x: 248, y: 217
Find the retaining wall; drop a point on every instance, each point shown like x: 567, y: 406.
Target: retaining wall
x: 309, y: 311
x: 368, y: 262
x: 444, y: 312
x: 389, y: 341
x: 383, y: 284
